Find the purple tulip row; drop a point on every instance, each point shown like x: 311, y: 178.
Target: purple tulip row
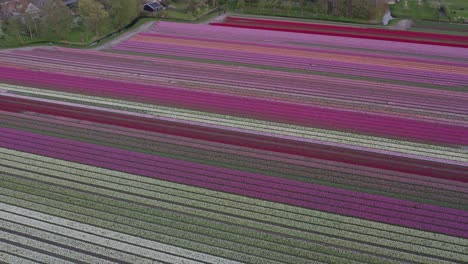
x: 161, y: 64
x: 256, y: 139
x: 406, y: 99
x: 211, y: 102
x: 49, y: 123
x: 298, y: 39
x: 337, y: 67
x: 394, y: 101
x: 388, y: 210
x: 248, y: 107
x: 323, y: 50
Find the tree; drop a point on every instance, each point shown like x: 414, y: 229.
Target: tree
x: 93, y: 14
x: 334, y: 8
x: 56, y: 20
x: 261, y: 4
x: 30, y: 24
x: 240, y: 4
x: 195, y: 6
x: 13, y: 27
x: 360, y: 9
x: 287, y: 4
x: 122, y: 12
x: 349, y: 8
x: 303, y: 5
x: 340, y: 9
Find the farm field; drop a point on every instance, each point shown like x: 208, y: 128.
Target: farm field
x: 236, y: 143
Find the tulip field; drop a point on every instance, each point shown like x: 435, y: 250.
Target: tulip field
x: 243, y: 141
x: 347, y: 31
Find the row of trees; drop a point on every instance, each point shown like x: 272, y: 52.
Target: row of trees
x: 355, y: 9
x: 56, y: 21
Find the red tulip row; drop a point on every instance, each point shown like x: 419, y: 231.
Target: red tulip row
x: 239, y: 138
x: 372, y: 207
x: 346, y: 31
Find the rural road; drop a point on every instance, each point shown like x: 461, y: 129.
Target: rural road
x: 126, y: 36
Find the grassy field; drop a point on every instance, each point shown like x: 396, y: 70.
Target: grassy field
x: 457, y: 8
x: 310, y: 11
x: 453, y: 10
x: 415, y: 11
x: 75, y: 37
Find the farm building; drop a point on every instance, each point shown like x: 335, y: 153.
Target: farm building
x: 17, y: 7
x: 153, y: 6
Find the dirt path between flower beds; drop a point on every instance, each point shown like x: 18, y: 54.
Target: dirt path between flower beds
x: 218, y: 19
x: 143, y: 28
x: 404, y: 24
x: 28, y: 48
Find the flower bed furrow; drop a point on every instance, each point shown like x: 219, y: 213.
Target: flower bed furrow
x: 203, y: 173
x: 381, y: 251
x: 347, y: 52
x: 304, y: 203
x: 11, y: 248
x: 192, y: 233
x: 121, y: 241
x: 225, y: 139
x: 313, y: 176
x: 426, y: 42
x: 393, y: 102
x: 279, y: 128
x: 224, y: 147
x: 288, y: 170
x: 259, y: 36
x: 215, y: 229
x: 296, y: 114
x: 298, y: 132
x: 49, y: 248
x: 293, y: 214
x: 91, y: 246
x: 12, y: 258
x: 246, y: 141
x: 292, y: 63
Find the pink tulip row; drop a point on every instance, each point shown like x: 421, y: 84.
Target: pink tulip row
x: 250, y: 85
x: 70, y: 127
x: 304, y: 40
x: 431, y: 218
x: 309, y: 64
x: 238, y: 137
x: 249, y: 107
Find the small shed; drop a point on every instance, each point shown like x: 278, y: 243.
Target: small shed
x: 71, y: 3
x: 153, y: 6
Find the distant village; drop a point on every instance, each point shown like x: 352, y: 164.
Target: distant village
x: 70, y: 20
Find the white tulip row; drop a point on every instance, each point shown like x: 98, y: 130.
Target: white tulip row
x: 97, y: 240
x: 296, y: 217
x: 367, y: 143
